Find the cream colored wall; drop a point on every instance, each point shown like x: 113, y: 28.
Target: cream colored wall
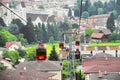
x: 58, y: 75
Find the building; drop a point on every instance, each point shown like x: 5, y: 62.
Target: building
x: 102, y: 66
x: 25, y: 75
x: 13, y: 45
x: 43, y: 66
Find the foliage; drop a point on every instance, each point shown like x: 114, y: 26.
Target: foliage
x: 20, y: 37
x: 114, y: 36
x: 13, y: 55
x: 6, y: 36
x: 111, y: 23
x: 28, y: 31
x: 21, y: 52
x: 92, y: 10
x: 79, y: 75
x: 41, y: 7
x: 30, y: 53
x: 85, y: 14
x: 14, y: 29
x: 89, y: 31
x: 45, y: 38
x: 118, y: 7
x: 105, y: 44
x: 51, y: 40
x: 2, y: 23
x: 53, y: 55
x: 69, y: 12
x: 100, y: 11
x: 49, y: 48
x: 75, y: 25
x: 2, y: 67
x: 65, y: 71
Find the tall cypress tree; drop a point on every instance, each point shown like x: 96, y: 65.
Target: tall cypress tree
x: 111, y: 23
x: 118, y: 7
x: 45, y: 36
x: 53, y: 55
x: 69, y: 12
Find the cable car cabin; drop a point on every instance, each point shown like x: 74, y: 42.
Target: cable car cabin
x: 41, y: 54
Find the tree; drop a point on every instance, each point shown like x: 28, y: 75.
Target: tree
x: 53, y: 55
x: 20, y: 37
x: 28, y: 31
x: 13, y: 55
x: 6, y: 36
x: 2, y: 67
x: 2, y: 23
x: 85, y: 14
x: 41, y: 7
x: 14, y: 29
x: 19, y: 24
x: 75, y: 25
x: 111, y: 5
x: 30, y: 53
x: 100, y: 11
x: 98, y: 4
x: 92, y: 10
x: 45, y: 35
x: 69, y: 12
x: 51, y: 39
x: 111, y: 23
x: 118, y: 7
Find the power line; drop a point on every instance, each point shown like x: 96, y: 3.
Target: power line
x: 1, y: 4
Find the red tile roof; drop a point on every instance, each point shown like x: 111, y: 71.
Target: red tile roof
x: 105, y: 65
x: 97, y: 35
x: 102, y: 62
x: 8, y: 44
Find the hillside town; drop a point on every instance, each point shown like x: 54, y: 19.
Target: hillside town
x: 59, y: 40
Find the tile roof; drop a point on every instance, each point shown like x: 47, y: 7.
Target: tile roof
x: 8, y: 44
x: 34, y: 16
x: 102, y: 62
x: 41, y: 65
x: 97, y: 35
x: 24, y: 75
x: 106, y: 31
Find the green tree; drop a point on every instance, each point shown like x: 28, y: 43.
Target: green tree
x: 20, y: 37
x: 75, y: 25
x: 111, y: 23
x: 2, y: 23
x: 118, y: 7
x: 100, y: 11
x: 13, y: 55
x: 28, y: 31
x: 92, y: 10
x: 14, y: 29
x: 53, y: 55
x: 51, y: 39
x: 80, y: 75
x: 6, y: 36
x: 19, y: 24
x: 45, y: 35
x: 69, y: 12
x: 111, y: 5
x: 98, y: 4
x: 21, y: 52
x: 115, y: 14
x: 30, y: 53
x: 2, y: 67
x: 89, y: 31
x: 41, y: 7
x: 85, y: 14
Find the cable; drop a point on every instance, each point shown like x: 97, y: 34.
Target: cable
x: 1, y: 4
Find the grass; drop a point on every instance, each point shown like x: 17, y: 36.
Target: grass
x: 105, y: 44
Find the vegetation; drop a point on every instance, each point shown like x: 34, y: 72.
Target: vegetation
x: 2, y: 67
x: 6, y: 36
x: 53, y: 55
x: 106, y: 44
x: 13, y: 55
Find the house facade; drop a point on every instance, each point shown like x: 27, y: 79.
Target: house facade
x: 13, y: 45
